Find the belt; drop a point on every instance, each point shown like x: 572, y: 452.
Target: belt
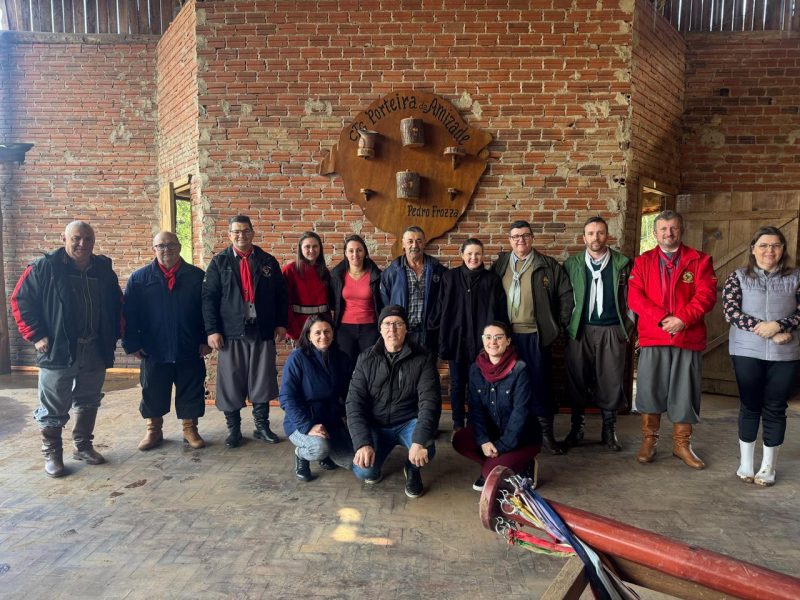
x: 88, y: 340
x: 250, y: 322
x: 309, y: 310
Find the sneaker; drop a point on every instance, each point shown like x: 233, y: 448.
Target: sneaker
x: 478, y: 485
x: 374, y: 480
x: 413, y: 482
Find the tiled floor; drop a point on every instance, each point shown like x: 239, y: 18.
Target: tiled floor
x: 235, y: 524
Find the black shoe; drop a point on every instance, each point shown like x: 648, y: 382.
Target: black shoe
x: 414, y: 487
x: 479, y: 483
x: 266, y: 434
x: 576, y: 432
x: 327, y: 464
x: 302, y: 470
x: 261, y: 420
x: 233, y: 421
x: 609, y: 438
x: 549, y: 443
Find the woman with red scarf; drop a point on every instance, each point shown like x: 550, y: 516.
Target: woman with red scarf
x: 308, y: 283
x: 502, y: 428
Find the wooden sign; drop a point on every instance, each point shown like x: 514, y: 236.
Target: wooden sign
x: 446, y: 155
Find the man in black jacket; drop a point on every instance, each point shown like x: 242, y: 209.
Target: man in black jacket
x: 245, y: 309
x: 164, y: 329
x: 539, y: 307
x: 68, y: 304
x: 394, y: 398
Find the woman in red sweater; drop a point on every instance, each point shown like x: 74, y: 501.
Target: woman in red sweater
x: 308, y: 282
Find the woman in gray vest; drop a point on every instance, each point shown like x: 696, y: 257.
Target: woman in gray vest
x: 762, y: 303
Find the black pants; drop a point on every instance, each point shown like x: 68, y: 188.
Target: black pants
x: 596, y: 368
x: 157, y: 379
x: 353, y: 339
x: 539, y: 363
x: 459, y: 380
x: 764, y: 390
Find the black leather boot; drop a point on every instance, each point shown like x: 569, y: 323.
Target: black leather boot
x: 82, y: 437
x: 576, y: 431
x: 327, y: 464
x: 233, y: 420
x: 261, y: 421
x: 302, y: 470
x: 52, y: 451
x: 549, y: 443
x: 609, y: 436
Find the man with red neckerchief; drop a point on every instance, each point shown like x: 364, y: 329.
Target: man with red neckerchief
x: 245, y: 309
x: 671, y: 288
x: 164, y: 329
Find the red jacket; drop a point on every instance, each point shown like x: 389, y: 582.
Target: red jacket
x: 693, y: 294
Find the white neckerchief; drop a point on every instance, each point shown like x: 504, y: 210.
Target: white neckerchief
x: 596, y: 290
x: 515, y: 290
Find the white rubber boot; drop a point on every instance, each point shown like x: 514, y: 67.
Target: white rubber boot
x: 746, y: 470
x: 766, y: 474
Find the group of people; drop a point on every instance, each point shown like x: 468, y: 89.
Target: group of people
x: 363, y: 375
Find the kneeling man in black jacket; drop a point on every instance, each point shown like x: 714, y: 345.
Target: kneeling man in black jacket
x: 394, y: 398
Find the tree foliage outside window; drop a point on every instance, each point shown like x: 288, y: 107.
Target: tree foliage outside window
x: 647, y: 238
x: 183, y: 228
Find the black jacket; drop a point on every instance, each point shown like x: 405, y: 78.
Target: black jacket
x: 552, y: 294
x: 168, y: 326
x: 381, y: 395
x: 337, y: 285
x: 462, y: 312
x: 223, y: 307
x: 41, y: 307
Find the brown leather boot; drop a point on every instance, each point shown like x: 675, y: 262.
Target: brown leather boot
x: 682, y: 446
x: 650, y: 425
x: 52, y: 451
x: 154, y: 435
x: 190, y: 434
x: 82, y: 436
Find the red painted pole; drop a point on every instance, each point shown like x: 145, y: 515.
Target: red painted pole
x: 706, y: 568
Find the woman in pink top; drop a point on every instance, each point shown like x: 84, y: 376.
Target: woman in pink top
x: 356, y: 298
x: 308, y: 283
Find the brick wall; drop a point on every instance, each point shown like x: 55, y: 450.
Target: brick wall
x: 742, y: 121
x: 550, y: 83
x: 89, y: 108
x: 657, y: 77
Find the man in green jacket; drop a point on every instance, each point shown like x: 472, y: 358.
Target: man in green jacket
x: 539, y: 307
x: 599, y: 332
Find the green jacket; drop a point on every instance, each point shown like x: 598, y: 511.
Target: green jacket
x: 621, y: 269
x: 554, y: 306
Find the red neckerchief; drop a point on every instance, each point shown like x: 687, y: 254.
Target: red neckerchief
x: 170, y: 273
x: 666, y: 267
x: 248, y: 293
x: 493, y: 373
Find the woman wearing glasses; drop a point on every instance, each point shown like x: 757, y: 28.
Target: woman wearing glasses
x: 313, y: 390
x: 762, y: 303
x: 502, y: 427
x: 355, y: 289
x: 308, y: 283
x: 470, y: 297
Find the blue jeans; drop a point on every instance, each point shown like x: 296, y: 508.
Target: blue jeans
x: 384, y: 439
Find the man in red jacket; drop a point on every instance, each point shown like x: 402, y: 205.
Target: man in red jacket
x: 671, y: 288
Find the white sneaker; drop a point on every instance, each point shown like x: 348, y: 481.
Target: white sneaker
x: 766, y: 474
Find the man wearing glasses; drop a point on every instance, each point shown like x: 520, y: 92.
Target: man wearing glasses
x: 245, y: 309
x: 671, y: 289
x: 164, y: 329
x: 539, y: 307
x: 412, y: 281
x: 68, y: 304
x: 394, y: 399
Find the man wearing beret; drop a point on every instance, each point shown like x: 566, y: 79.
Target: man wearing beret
x: 394, y: 399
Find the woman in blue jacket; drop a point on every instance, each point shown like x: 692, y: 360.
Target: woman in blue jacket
x: 502, y: 428
x: 313, y: 390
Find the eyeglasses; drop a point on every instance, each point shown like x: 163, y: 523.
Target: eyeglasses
x: 493, y: 338
x: 521, y: 236
x: 763, y: 247
x: 242, y: 232
x: 165, y: 247
x: 393, y: 325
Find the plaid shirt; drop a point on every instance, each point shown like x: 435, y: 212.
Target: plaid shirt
x: 416, y: 297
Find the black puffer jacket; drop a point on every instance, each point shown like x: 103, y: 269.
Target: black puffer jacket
x: 382, y: 395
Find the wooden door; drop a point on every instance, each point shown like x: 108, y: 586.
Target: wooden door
x: 722, y: 225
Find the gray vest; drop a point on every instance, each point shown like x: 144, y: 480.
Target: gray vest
x: 768, y: 298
